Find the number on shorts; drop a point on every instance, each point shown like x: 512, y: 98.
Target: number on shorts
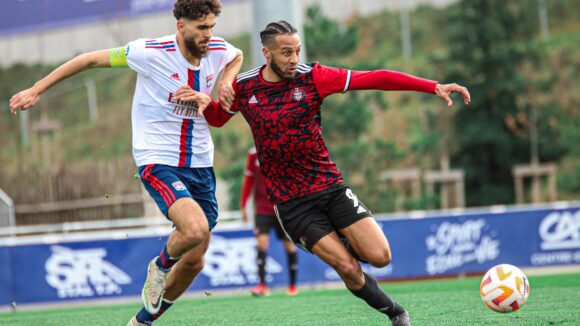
x: 350, y: 195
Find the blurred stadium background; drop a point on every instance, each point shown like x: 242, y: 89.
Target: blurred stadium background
x: 465, y: 188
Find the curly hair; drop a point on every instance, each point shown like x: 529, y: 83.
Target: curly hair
x: 196, y: 9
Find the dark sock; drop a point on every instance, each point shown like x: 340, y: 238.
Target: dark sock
x: 164, y: 261
x: 261, y: 261
x: 375, y: 297
x: 292, y: 267
x: 146, y: 318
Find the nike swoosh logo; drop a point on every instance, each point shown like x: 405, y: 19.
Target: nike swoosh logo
x: 156, y: 304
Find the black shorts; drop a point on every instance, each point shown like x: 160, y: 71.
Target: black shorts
x: 265, y: 223
x: 306, y: 220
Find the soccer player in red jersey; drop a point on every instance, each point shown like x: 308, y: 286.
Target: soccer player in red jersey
x: 281, y: 101
x: 265, y: 219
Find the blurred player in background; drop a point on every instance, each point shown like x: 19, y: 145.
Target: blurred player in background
x: 172, y: 145
x: 264, y: 220
x: 281, y: 101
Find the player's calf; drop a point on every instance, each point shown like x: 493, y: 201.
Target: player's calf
x: 375, y: 297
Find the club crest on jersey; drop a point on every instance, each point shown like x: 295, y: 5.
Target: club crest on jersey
x: 298, y: 94
x: 179, y: 186
x: 209, y: 80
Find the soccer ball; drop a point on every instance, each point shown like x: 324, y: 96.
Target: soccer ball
x: 504, y: 288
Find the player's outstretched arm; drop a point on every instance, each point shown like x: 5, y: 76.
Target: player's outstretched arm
x: 28, y: 98
x: 445, y: 91
x: 226, y: 92
x: 393, y: 80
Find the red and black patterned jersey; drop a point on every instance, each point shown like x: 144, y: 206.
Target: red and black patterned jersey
x: 285, y: 121
x: 286, y: 125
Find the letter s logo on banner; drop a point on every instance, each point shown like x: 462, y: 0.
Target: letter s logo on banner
x: 456, y: 244
x: 83, y: 273
x: 560, y: 230
x: 233, y: 262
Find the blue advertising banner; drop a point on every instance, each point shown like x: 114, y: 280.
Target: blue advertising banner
x: 22, y: 16
x: 426, y: 247
x: 5, y: 277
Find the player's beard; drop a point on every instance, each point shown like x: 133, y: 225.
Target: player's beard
x: 193, y: 48
x: 278, y: 71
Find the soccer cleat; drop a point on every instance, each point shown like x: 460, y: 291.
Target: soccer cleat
x: 154, y: 287
x: 402, y: 320
x: 292, y: 290
x: 260, y: 290
x: 135, y: 322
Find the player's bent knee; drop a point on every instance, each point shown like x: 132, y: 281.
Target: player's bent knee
x: 348, y: 268
x: 194, y: 265
x: 194, y: 235
x: 380, y: 258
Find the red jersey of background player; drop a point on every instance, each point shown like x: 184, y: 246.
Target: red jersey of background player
x: 253, y: 180
x: 286, y: 123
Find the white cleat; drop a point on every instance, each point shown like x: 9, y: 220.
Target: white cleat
x: 152, y: 294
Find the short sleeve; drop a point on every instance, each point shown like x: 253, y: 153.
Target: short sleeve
x: 330, y: 80
x: 231, y: 52
x: 222, y: 51
x: 136, y: 56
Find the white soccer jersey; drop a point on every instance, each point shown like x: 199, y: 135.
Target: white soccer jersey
x: 166, y: 131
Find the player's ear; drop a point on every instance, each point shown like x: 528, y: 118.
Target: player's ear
x: 266, y: 53
x: 180, y: 26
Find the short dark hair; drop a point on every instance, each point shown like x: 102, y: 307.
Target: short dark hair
x: 196, y: 9
x: 274, y: 29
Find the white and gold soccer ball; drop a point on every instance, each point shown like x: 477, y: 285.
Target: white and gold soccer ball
x: 504, y: 288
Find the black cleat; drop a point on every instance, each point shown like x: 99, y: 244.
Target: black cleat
x: 351, y: 249
x: 402, y: 320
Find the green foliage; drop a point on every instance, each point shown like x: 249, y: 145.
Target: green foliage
x: 345, y: 119
x: 491, y: 46
x: 487, y: 50
x: 325, y: 38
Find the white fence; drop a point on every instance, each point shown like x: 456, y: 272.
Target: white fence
x: 6, y: 210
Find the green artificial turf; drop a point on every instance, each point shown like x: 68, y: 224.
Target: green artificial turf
x: 553, y: 300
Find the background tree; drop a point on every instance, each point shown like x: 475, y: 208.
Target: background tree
x: 490, y: 40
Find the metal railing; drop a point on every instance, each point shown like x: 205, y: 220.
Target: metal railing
x: 7, y: 218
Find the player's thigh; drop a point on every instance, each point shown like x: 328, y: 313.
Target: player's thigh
x: 164, y: 185
x: 331, y: 250
x: 304, y: 222
x: 201, y: 184
x: 369, y: 241
x: 188, y: 215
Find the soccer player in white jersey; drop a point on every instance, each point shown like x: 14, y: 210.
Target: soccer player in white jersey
x: 172, y: 145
